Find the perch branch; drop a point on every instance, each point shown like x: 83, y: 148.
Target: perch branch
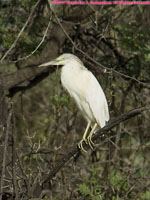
x: 73, y: 152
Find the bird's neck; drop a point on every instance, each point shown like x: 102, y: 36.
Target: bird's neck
x: 72, y: 67
x: 69, y: 72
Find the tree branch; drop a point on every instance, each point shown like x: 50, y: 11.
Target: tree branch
x: 72, y: 153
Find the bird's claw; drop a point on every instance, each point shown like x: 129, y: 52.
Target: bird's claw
x: 90, y: 142
x: 80, y: 145
x: 87, y: 141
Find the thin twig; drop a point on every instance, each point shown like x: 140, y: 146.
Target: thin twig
x: 44, y: 36
x: 21, y: 31
x: 24, y: 177
x: 14, y: 175
x: 5, y: 152
x: 41, y: 151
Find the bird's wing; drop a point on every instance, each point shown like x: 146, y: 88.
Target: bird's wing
x: 87, y: 92
x: 97, y: 100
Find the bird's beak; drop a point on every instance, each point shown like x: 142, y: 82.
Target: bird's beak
x: 53, y: 62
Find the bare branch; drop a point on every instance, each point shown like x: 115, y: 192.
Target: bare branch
x: 14, y: 174
x: 38, y: 46
x: 21, y: 31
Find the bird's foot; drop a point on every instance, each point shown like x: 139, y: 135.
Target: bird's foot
x: 90, y: 142
x: 80, y: 144
x: 87, y: 141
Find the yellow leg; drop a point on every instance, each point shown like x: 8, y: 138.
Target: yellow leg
x: 80, y: 144
x: 90, y: 142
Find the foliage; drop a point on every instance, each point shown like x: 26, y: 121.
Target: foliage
x: 94, y: 187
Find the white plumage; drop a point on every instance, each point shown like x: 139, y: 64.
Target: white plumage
x: 82, y: 85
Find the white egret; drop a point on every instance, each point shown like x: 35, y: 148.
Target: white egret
x: 87, y: 92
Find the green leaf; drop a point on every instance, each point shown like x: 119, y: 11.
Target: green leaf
x: 84, y: 189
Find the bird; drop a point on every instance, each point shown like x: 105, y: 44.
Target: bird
x: 88, y: 94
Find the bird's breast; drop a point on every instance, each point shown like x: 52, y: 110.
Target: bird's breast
x: 74, y: 80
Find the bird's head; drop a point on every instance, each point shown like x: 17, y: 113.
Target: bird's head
x: 63, y: 59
